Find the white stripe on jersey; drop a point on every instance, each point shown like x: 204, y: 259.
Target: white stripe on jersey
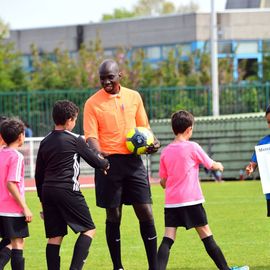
x: 74, y: 134
x: 19, y: 167
x: 76, y: 167
x: 11, y: 214
x: 175, y: 205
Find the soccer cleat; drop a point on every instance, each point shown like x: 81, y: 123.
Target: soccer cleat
x: 240, y: 268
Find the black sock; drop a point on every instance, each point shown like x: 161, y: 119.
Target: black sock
x: 17, y: 259
x: 5, y: 255
x: 114, y: 244
x: 215, y: 253
x: 149, y: 236
x: 4, y: 242
x: 52, y: 257
x: 164, y: 252
x: 80, y: 252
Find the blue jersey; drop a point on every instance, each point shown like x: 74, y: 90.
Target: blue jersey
x: 264, y: 140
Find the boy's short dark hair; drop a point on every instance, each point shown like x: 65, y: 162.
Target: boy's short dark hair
x: 64, y: 110
x: 267, y: 110
x: 181, y: 120
x: 2, y: 119
x: 11, y: 130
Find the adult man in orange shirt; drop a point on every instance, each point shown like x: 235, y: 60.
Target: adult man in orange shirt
x: 108, y: 115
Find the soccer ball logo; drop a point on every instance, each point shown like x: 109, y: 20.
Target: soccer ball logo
x: 138, y: 139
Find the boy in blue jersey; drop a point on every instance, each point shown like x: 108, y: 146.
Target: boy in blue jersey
x: 251, y: 167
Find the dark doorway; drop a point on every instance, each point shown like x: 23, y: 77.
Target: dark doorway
x: 247, y: 68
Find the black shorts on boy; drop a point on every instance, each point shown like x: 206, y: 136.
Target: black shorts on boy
x: 62, y: 208
x: 125, y: 183
x: 187, y: 216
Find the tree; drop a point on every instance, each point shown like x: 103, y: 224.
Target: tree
x: 118, y: 13
x: 12, y: 75
x: 225, y: 67
x: 189, y: 8
x: 62, y: 71
x: 169, y: 70
x: 90, y: 56
x: 168, y: 8
x: 4, y: 29
x: 150, y: 8
x: 266, y: 61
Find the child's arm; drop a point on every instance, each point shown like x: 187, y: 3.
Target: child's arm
x: 13, y: 189
x: 92, y: 156
x: 217, y: 166
x: 251, y: 167
x: 163, y: 182
x: 39, y: 173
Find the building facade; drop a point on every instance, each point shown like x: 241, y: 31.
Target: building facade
x: 243, y: 34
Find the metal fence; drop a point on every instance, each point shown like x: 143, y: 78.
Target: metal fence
x: 35, y: 107
x: 30, y: 149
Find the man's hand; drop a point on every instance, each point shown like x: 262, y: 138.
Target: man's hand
x: 153, y: 148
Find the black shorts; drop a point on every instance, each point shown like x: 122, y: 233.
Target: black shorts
x: 13, y: 227
x: 126, y: 182
x: 268, y: 207
x: 62, y: 208
x: 187, y: 216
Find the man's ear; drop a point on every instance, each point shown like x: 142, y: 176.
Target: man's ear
x: 120, y: 74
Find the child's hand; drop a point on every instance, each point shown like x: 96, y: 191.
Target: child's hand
x: 217, y: 166
x: 220, y: 167
x: 163, y: 183
x: 41, y: 214
x: 28, y: 214
x: 250, y: 168
x: 107, y: 168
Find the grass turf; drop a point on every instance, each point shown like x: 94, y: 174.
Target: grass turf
x: 236, y: 214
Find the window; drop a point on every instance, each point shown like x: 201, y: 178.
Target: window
x: 247, y: 47
x: 184, y: 49
x: 74, y: 55
x: 224, y: 47
x: 153, y: 52
x: 166, y: 50
x: 108, y: 53
x: 135, y: 53
x: 27, y: 62
x: 266, y: 46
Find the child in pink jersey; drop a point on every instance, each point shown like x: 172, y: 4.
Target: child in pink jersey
x: 14, y: 213
x: 5, y: 245
x: 179, y: 173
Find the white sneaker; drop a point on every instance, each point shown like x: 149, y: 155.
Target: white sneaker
x: 240, y: 268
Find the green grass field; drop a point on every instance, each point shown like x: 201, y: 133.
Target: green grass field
x: 236, y: 214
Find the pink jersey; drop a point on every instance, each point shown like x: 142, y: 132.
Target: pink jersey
x: 179, y: 164
x: 11, y: 169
